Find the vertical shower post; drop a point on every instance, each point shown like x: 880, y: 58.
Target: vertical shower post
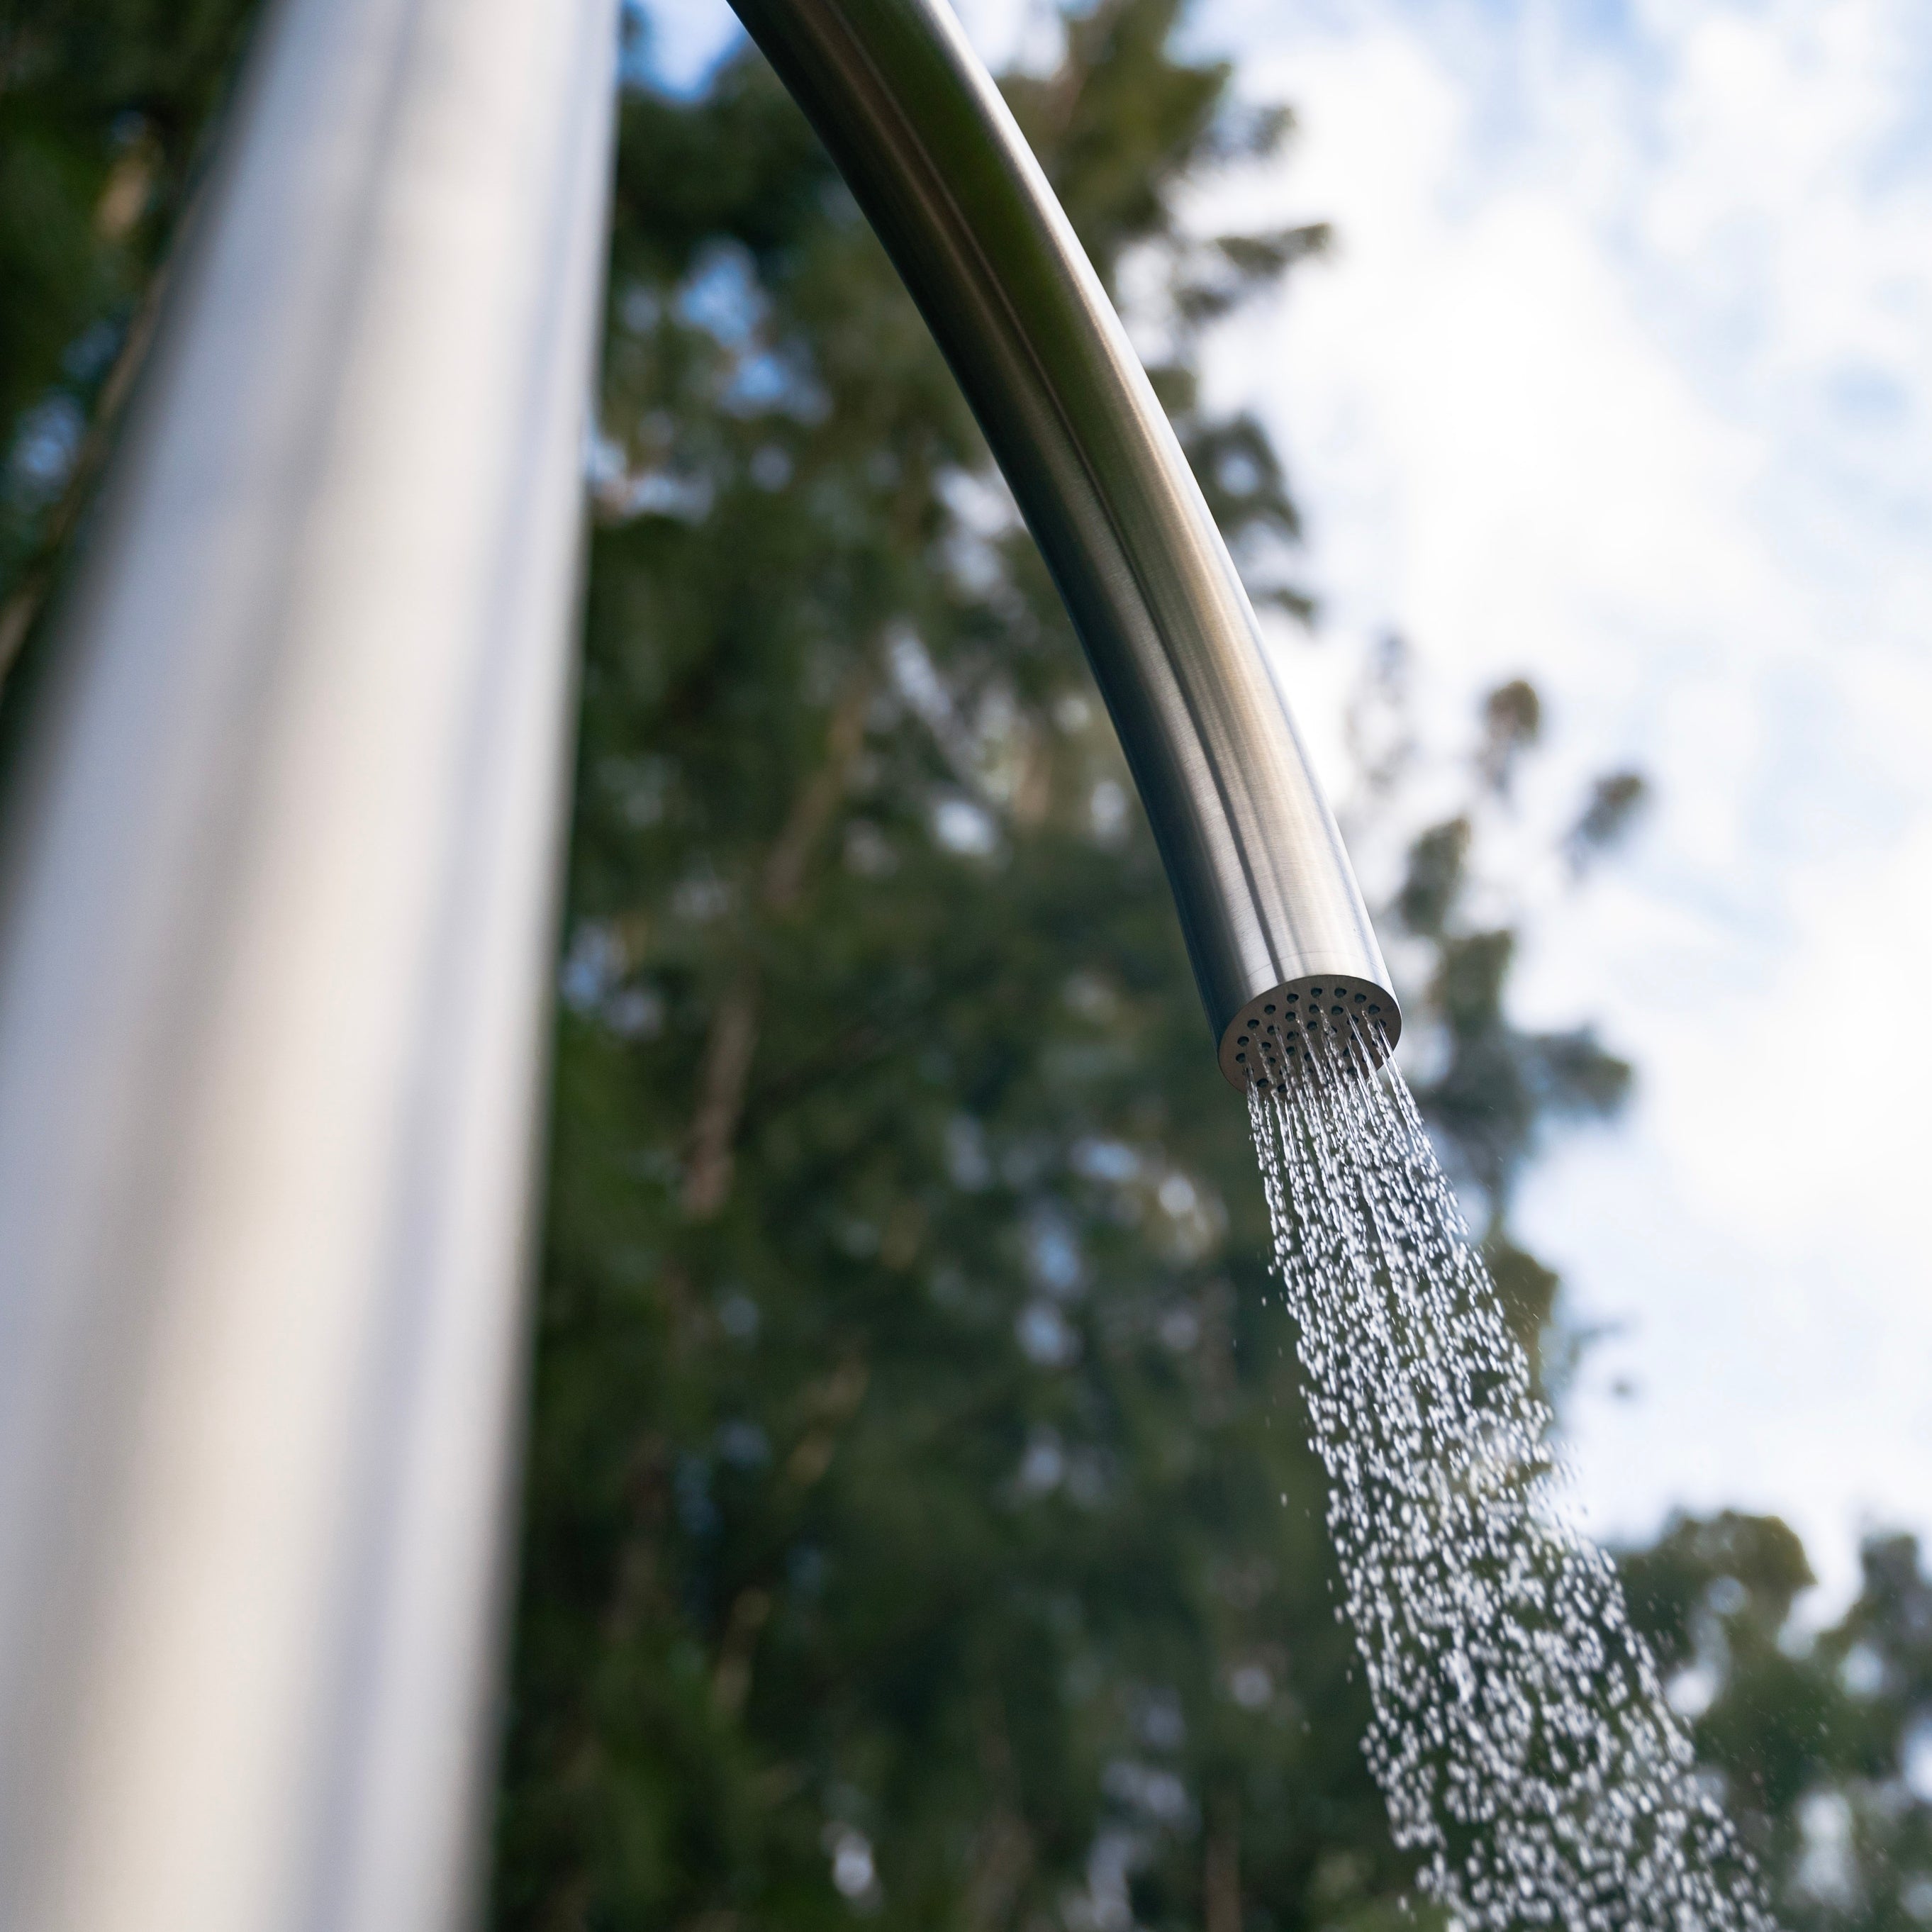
x: 278, y: 845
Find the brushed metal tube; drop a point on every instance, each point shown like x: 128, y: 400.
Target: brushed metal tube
x: 277, y: 875
x: 1268, y: 902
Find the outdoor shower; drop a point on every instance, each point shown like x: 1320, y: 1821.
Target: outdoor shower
x: 277, y: 875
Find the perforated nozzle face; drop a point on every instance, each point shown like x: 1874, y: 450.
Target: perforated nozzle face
x: 1276, y: 1029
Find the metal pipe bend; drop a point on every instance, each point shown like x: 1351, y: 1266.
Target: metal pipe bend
x: 1274, y: 922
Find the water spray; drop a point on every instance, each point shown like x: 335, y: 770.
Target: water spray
x: 1281, y: 943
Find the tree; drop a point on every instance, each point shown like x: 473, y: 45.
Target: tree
x: 1821, y: 1740
x: 104, y: 106
x: 1494, y: 1091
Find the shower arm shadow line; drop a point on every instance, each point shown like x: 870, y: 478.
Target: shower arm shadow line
x: 1275, y: 927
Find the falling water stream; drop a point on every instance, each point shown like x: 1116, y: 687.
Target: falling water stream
x: 1520, y: 1732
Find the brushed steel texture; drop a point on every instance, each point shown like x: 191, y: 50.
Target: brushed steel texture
x: 277, y: 871
x: 932, y: 153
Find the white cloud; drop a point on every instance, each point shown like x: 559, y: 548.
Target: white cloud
x: 1622, y: 377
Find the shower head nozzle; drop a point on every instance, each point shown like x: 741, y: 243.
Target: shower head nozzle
x: 1277, y: 1030
x: 1268, y: 902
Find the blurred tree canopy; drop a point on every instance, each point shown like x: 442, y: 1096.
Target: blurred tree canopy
x: 920, y: 1529
x: 104, y: 108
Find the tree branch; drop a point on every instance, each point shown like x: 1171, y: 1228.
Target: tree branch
x: 733, y: 1043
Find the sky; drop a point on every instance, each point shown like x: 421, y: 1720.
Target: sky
x: 1619, y: 377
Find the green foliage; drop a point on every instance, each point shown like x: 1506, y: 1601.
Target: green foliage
x: 1821, y: 1741
x: 103, y: 104
x: 1491, y: 1090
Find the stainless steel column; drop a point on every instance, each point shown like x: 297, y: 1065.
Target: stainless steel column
x: 1268, y: 902
x: 275, y: 891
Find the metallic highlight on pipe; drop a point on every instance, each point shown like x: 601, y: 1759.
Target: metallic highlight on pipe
x: 276, y: 896
x: 1268, y: 902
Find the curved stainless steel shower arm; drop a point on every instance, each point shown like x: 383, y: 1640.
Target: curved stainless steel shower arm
x: 1268, y: 902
